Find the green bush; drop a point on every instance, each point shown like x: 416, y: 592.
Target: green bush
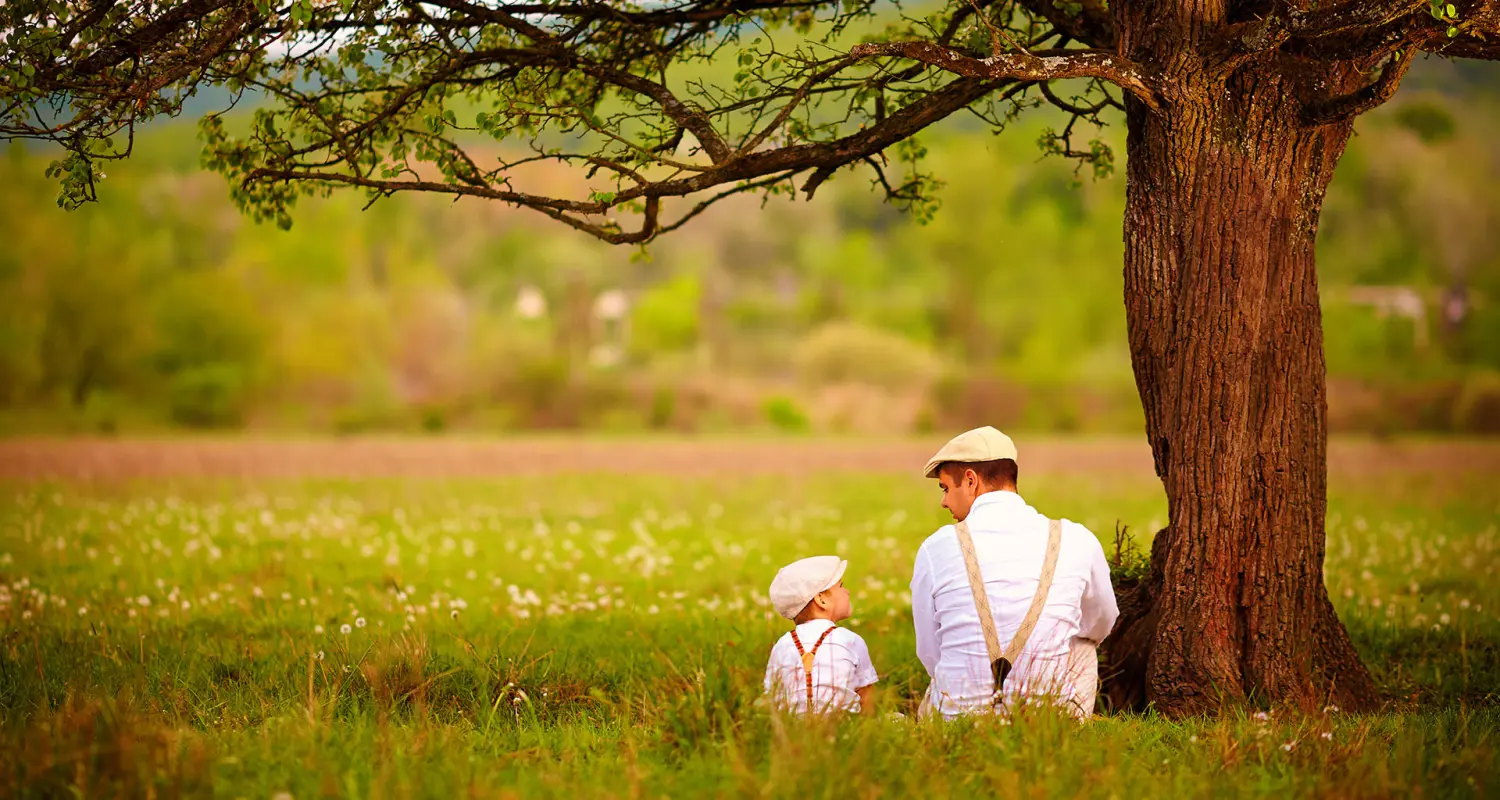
x: 208, y: 396
x: 663, y: 407
x: 1477, y: 407
x: 785, y: 415
x: 846, y: 352
x: 665, y: 318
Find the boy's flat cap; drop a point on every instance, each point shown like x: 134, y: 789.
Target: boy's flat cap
x: 797, y: 583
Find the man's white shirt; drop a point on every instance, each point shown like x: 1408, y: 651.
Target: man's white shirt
x: 1010, y: 540
x: 840, y: 666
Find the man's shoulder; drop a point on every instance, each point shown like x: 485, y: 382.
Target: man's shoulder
x: 946, y: 533
x: 1084, y: 538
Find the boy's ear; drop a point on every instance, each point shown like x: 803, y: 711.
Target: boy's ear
x: 821, y: 598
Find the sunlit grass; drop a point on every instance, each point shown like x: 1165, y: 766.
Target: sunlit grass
x: 606, y: 635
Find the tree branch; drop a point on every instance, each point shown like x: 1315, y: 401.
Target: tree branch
x: 1348, y: 106
x: 1287, y: 21
x: 1044, y: 65
x: 746, y: 169
x: 1477, y: 32
x: 1476, y: 35
x: 1092, y: 25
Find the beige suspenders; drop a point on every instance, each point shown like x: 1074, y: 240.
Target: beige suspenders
x: 1002, y: 661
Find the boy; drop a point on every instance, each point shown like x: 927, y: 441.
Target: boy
x: 818, y: 666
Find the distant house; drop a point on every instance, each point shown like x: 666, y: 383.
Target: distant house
x: 611, y: 313
x: 531, y: 303
x: 1395, y: 301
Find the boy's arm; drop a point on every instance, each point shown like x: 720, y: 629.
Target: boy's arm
x: 865, y: 693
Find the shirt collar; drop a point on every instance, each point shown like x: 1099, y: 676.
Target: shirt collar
x: 1003, y: 500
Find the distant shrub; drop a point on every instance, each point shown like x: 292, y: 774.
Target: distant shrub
x: 663, y: 407
x: 849, y: 352
x: 785, y: 415
x: 101, y: 412
x: 665, y: 318
x: 1477, y: 407
x: 1429, y: 121
x: 965, y: 399
x: 433, y: 418
x: 208, y: 396
x: 539, y: 389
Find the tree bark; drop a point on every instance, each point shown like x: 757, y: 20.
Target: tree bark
x: 1224, y: 190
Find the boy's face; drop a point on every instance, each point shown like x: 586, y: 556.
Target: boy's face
x: 836, y: 602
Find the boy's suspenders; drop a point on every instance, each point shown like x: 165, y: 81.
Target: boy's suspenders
x: 807, y: 660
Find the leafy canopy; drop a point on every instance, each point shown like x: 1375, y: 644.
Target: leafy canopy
x: 651, y: 101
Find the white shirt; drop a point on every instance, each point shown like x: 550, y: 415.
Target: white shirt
x: 840, y: 666
x: 1010, y: 541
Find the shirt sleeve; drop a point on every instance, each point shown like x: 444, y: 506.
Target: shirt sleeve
x: 770, y: 681
x: 922, y: 616
x: 1098, y: 603
x: 864, y: 668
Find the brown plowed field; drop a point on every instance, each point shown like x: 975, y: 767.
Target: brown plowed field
x: 111, y: 459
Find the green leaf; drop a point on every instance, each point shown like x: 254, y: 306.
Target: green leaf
x: 1452, y: 31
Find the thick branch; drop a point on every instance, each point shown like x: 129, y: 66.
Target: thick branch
x: 1478, y: 32
x: 189, y: 14
x: 1092, y: 24
x: 1287, y: 21
x: 1044, y: 65
x: 1476, y: 29
x: 1358, y: 102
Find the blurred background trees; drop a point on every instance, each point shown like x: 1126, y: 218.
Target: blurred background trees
x: 161, y: 306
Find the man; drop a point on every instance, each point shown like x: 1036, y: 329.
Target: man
x: 978, y: 474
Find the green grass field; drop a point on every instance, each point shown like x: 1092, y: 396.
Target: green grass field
x: 605, y: 635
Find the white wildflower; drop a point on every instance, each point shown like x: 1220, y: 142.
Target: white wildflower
x: 345, y: 629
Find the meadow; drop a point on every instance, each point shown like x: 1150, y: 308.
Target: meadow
x: 603, y: 632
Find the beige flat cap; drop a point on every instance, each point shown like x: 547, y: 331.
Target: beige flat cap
x: 980, y: 444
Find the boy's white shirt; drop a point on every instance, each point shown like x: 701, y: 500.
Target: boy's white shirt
x: 1010, y: 540
x: 840, y: 666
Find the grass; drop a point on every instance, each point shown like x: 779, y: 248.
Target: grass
x: 605, y: 636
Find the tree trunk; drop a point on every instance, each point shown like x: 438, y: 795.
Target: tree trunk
x: 1224, y: 190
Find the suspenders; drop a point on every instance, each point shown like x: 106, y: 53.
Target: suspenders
x: 807, y: 660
